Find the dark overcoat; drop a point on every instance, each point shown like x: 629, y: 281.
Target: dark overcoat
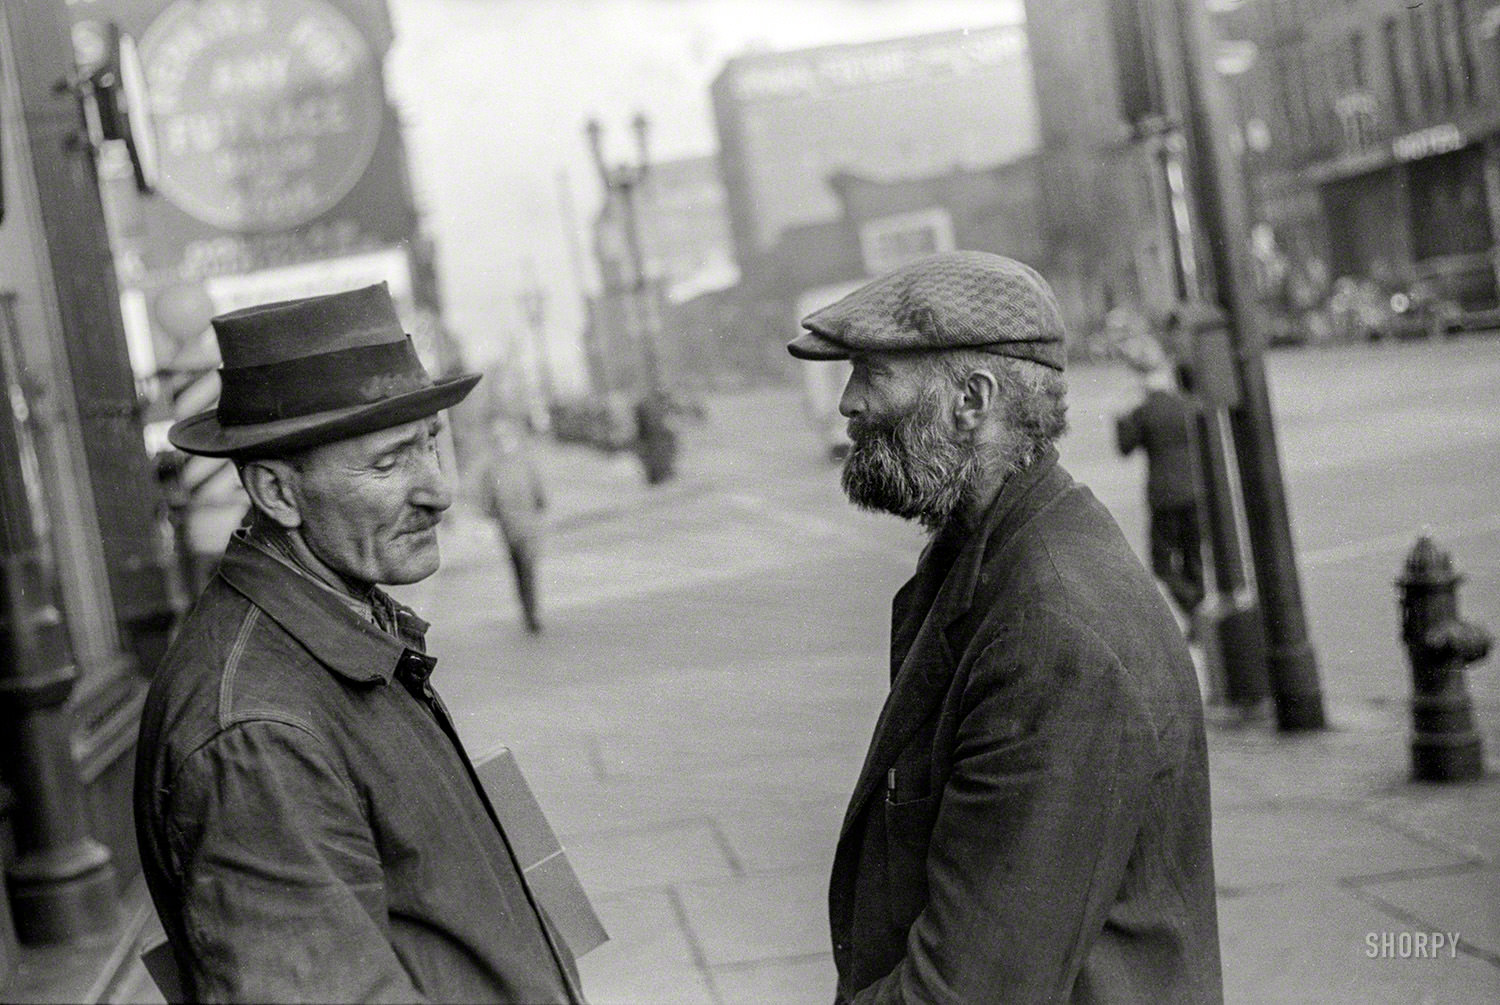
x: 1032, y: 820
x: 310, y: 826
x: 1163, y: 425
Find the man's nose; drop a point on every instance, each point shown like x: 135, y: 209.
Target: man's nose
x: 850, y: 403
x: 432, y: 490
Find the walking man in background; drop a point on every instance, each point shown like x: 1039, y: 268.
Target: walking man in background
x: 1032, y: 819
x: 512, y: 495
x: 310, y: 827
x: 1164, y: 426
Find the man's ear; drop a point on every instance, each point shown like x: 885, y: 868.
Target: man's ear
x: 979, y: 394
x: 269, y: 485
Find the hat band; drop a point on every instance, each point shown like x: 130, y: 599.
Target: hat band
x: 328, y: 381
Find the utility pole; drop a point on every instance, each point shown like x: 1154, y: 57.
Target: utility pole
x: 1151, y: 98
x: 1223, y: 212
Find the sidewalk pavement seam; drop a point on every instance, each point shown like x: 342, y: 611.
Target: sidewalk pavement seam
x: 736, y: 865
x: 1353, y: 882
x: 1421, y: 836
x: 1415, y: 872
x: 1417, y: 922
x: 1314, y: 558
x: 772, y: 512
x: 695, y: 948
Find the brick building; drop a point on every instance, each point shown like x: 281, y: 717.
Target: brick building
x: 902, y: 108
x: 1375, y: 128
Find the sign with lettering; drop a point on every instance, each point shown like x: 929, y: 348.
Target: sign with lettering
x: 889, y: 242
x: 1428, y: 142
x: 266, y: 114
x: 833, y: 68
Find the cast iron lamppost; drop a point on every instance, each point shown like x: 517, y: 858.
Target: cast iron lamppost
x: 656, y: 440
x: 623, y: 183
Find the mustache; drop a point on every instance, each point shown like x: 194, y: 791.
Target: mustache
x: 908, y: 465
x: 422, y: 524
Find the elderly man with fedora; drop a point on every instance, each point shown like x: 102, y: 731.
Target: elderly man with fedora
x: 309, y: 824
x: 1032, y: 820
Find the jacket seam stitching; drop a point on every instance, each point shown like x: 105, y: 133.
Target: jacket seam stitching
x: 232, y: 664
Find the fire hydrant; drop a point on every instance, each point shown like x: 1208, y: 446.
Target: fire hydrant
x: 1445, y: 746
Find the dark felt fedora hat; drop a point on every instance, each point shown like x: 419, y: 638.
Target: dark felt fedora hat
x: 303, y: 372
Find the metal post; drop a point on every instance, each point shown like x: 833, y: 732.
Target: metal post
x: 624, y: 182
x: 1238, y: 633
x: 78, y: 275
x: 644, y: 313
x: 61, y: 884
x: 1291, y: 662
x: 655, y: 439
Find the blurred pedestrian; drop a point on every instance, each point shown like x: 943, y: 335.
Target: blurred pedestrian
x: 1032, y: 820
x: 310, y: 826
x: 656, y: 439
x: 513, y: 497
x: 1164, y: 425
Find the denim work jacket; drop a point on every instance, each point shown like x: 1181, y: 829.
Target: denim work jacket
x: 1032, y: 820
x: 310, y: 828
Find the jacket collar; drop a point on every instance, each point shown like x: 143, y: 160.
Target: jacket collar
x: 318, y: 618
x: 1022, y: 495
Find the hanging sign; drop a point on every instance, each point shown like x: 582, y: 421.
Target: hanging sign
x: 266, y: 113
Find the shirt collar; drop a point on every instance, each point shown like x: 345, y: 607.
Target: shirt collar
x: 326, y: 622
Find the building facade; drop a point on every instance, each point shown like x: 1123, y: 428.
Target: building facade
x: 1104, y: 192
x: 1375, y: 129
x: 902, y: 108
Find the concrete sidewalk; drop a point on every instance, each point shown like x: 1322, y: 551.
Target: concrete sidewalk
x: 584, y: 487
x: 1334, y: 870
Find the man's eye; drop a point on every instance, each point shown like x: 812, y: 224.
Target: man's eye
x: 385, y: 463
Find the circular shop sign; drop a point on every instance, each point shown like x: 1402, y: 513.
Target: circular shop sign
x: 266, y: 112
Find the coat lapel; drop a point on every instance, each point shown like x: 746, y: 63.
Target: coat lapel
x: 923, y: 677
x: 921, y: 680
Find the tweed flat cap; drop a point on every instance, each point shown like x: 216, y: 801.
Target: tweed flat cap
x: 955, y: 300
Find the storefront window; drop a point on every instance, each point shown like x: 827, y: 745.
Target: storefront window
x: 1448, y: 209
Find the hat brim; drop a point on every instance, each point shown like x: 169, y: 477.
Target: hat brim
x: 203, y: 434
x: 811, y: 345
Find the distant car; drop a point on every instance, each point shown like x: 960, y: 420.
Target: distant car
x: 1416, y: 312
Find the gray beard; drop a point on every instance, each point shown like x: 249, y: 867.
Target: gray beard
x: 912, y: 466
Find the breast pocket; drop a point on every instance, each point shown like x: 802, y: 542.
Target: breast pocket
x: 908, y: 834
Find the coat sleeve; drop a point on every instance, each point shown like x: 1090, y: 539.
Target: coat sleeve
x: 1053, y: 762
x: 283, y: 893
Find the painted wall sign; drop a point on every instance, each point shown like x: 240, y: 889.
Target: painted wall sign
x: 266, y: 113
x: 1428, y: 142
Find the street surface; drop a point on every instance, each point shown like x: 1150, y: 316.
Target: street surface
x: 715, y: 655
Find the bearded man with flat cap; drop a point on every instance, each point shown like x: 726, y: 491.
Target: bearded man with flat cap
x: 309, y: 824
x: 1032, y: 820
